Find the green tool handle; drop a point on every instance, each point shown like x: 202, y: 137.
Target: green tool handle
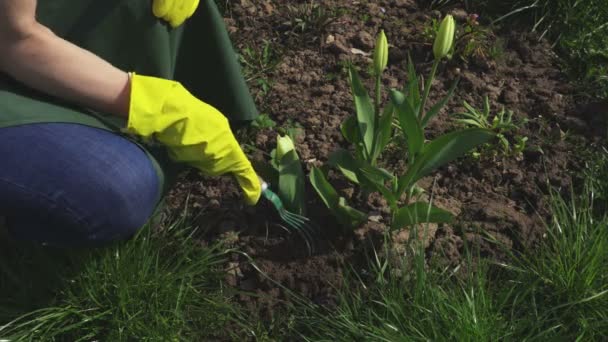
x: 271, y: 196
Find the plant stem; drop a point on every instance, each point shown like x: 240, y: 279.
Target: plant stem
x: 377, y: 99
x: 427, y: 88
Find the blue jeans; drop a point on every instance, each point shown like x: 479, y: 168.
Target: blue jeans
x: 70, y: 185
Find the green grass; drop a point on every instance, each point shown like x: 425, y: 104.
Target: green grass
x: 579, y: 30
x: 558, y: 291
x: 159, y: 286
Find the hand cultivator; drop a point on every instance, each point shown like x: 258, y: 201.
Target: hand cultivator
x: 299, y: 223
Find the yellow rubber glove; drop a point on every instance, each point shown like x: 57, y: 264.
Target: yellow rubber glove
x: 193, y: 131
x: 174, y: 11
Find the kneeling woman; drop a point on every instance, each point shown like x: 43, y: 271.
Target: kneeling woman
x: 93, y: 125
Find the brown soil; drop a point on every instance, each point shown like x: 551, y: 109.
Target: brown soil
x: 502, y: 197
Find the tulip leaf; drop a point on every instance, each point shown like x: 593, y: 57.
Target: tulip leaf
x: 413, y: 85
x: 350, y: 130
x: 266, y: 170
x: 365, y: 111
x: 375, y: 179
x: 384, y: 131
x: 345, y: 162
x: 420, y: 212
x: 346, y: 215
x: 443, y: 150
x: 349, y: 216
x: 437, y: 107
x: 409, y: 125
x: 291, y: 183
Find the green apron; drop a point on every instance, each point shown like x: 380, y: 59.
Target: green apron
x: 125, y: 33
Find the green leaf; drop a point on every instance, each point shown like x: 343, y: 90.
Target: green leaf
x: 326, y: 191
x: 346, y: 215
x: 409, y: 125
x: 352, y: 168
x: 345, y: 162
x: 443, y: 150
x: 420, y: 212
x: 384, y: 131
x: 349, y: 216
x: 437, y: 107
x: 375, y: 178
x: 365, y: 110
x: 291, y: 183
x: 413, y: 86
x: 350, y: 130
x: 377, y: 172
x: 470, y: 122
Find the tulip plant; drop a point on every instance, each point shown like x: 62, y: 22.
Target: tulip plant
x: 371, y: 130
x: 285, y: 171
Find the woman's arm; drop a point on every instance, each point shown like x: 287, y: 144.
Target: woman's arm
x: 35, y: 56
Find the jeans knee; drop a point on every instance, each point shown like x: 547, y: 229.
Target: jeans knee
x: 133, y: 199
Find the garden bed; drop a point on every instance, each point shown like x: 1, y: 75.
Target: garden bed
x: 297, y: 56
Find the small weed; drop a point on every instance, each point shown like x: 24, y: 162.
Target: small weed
x: 501, y: 123
x: 310, y: 19
x: 258, y: 64
x: 291, y: 128
x: 263, y: 121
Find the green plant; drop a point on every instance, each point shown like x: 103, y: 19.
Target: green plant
x: 473, y: 41
x: 501, y: 123
x: 370, y: 130
x: 258, y: 64
x: 476, y: 41
x: 309, y: 18
x: 285, y: 174
x: 263, y: 121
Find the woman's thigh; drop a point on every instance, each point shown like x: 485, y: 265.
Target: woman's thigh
x: 73, y: 185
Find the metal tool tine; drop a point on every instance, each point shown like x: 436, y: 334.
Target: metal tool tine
x: 298, y: 225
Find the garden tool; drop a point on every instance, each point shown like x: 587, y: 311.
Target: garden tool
x: 299, y: 223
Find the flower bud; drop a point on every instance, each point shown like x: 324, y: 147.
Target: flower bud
x: 445, y: 38
x: 381, y: 53
x: 284, y: 146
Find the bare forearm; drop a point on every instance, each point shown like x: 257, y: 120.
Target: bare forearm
x: 48, y: 63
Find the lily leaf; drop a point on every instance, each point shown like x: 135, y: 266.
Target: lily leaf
x: 420, y: 212
x: 365, y: 111
x: 443, y: 150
